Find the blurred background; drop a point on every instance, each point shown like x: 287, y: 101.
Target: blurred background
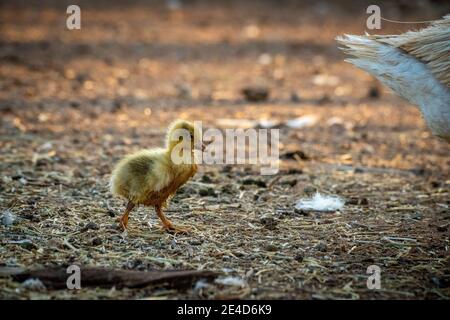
x: 136, y: 65
x: 152, y: 61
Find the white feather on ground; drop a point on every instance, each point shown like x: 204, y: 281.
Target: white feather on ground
x: 33, y: 284
x: 231, y: 281
x: 7, y: 218
x: 201, y: 284
x: 320, y: 202
x: 302, y: 122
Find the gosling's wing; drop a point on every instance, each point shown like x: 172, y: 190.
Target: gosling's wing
x: 139, y: 174
x: 150, y: 170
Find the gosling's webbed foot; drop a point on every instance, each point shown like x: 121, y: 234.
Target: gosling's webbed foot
x: 123, y: 221
x: 123, y: 224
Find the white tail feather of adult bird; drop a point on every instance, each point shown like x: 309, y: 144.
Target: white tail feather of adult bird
x: 415, y: 65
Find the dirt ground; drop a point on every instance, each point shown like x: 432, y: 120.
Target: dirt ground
x: 72, y: 103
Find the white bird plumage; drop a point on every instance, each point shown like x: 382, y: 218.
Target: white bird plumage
x: 415, y: 65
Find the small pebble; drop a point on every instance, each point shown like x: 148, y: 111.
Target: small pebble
x: 301, y: 212
x: 271, y: 247
x: 357, y: 201
x: 111, y: 213
x: 207, y: 192
x: 435, y: 184
x: 256, y: 94
x: 256, y: 182
x: 309, y: 190
x: 418, y: 171
x: 74, y: 104
x: 31, y: 215
x: 196, y: 242
x: 443, y: 282
x: 294, y: 171
x: 295, y: 97
x: 299, y: 257
x: 28, y: 245
x: 321, y: 246
x: 294, y: 155
x: 97, y: 241
x: 373, y: 93
x: 290, y: 182
x: 227, y: 168
x: 206, y: 179
x: 324, y: 99
x: 228, y: 189
x: 90, y: 226
x: 269, y: 223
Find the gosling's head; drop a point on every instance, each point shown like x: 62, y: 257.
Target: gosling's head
x: 183, y: 134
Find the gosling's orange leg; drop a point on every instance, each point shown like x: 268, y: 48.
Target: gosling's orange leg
x: 124, y: 218
x: 167, y: 225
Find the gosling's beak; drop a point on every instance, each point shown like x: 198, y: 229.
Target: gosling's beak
x: 203, y: 146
